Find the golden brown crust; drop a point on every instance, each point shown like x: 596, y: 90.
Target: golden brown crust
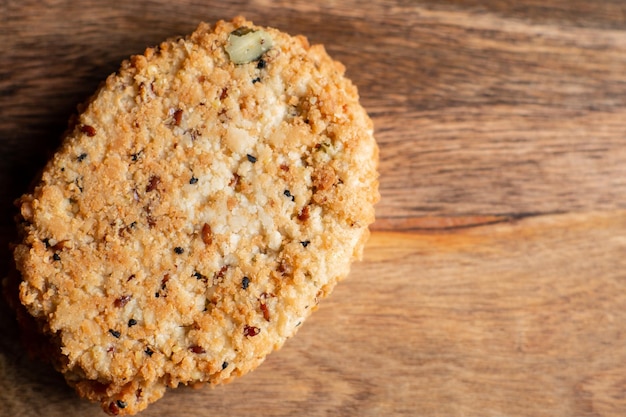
x: 195, y: 215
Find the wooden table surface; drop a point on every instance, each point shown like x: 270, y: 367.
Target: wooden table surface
x: 494, y: 283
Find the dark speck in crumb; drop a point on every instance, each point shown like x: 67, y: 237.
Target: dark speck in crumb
x: 251, y: 158
x: 179, y: 250
x: 56, y: 257
x: 193, y: 180
x: 287, y: 193
x: 122, y: 301
x: 178, y: 116
x: 114, y: 409
x: 88, y: 130
x: 153, y: 183
x: 251, y: 331
x: 197, y: 349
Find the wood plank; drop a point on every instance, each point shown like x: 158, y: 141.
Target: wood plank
x: 519, y: 319
x: 493, y: 284
x: 479, y: 110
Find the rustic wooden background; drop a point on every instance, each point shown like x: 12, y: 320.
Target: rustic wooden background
x: 494, y: 283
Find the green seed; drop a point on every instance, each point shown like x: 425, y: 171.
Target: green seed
x: 246, y: 45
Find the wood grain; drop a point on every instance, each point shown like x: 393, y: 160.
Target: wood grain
x: 486, y: 321
x: 494, y: 281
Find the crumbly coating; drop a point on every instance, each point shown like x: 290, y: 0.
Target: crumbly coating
x: 195, y: 214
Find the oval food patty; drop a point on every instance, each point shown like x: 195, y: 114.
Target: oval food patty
x: 209, y: 194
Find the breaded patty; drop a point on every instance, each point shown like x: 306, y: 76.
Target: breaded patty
x: 205, y: 199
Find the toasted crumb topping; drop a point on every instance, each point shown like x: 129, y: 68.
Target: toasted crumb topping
x: 196, y: 214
